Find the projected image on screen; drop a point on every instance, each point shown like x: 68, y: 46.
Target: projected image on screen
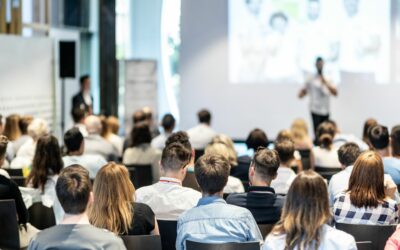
x: 277, y: 41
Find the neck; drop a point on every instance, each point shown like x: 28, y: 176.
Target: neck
x: 259, y: 182
x: 383, y: 152
x: 75, y: 153
x: 285, y: 164
x: 75, y: 219
x: 175, y: 175
x: 219, y: 194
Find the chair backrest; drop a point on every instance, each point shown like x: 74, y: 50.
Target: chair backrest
x: 364, y: 245
x: 19, y: 180
x: 168, y: 233
x: 9, y: 236
x: 198, y: 153
x: 14, y: 172
x: 41, y: 217
x: 305, y: 158
x: 142, y: 242
x: 376, y: 234
x: 190, y: 181
x: 193, y: 245
x: 327, y: 172
x: 265, y: 229
x: 141, y: 175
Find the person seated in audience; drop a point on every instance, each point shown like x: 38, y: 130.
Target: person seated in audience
x: 369, y: 123
x: 46, y: 166
x: 94, y: 143
x: 141, y: 152
x: 112, y: 135
x: 202, y: 134
x: 79, y: 116
x: 261, y: 199
x: 137, y: 117
x: 228, y: 142
x: 305, y: 219
x: 301, y: 138
x: 36, y: 129
x: 75, y: 146
x: 168, y: 198
x: 148, y: 113
x: 116, y: 141
x: 11, y: 129
x: 234, y: 185
x: 365, y: 201
x: 325, y: 155
x: 256, y: 138
x: 3, y: 160
x: 168, y: 124
x: 379, y: 138
x: 286, y: 134
x: 340, y: 138
x: 23, y: 124
x: 213, y: 220
x: 75, y: 232
x: 348, y: 154
x: 120, y: 213
x: 285, y: 174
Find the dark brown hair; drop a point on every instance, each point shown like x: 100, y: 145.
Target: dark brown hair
x: 369, y: 123
x: 3, y: 146
x: 204, y: 116
x: 285, y: 149
x: 348, y: 153
x: 325, y: 134
x: 175, y: 156
x: 366, y: 184
x: 266, y: 163
x: 212, y: 172
x: 395, y: 135
x: 24, y: 122
x: 140, y: 134
x: 181, y: 137
x: 257, y: 138
x: 11, y: 129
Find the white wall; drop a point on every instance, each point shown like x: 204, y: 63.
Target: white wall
x: 239, y: 108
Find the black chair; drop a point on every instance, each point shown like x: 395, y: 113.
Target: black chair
x: 327, y: 172
x: 168, y: 233
x: 305, y: 158
x: 41, y: 217
x: 295, y: 169
x: 19, y: 180
x: 141, y: 175
x: 376, y: 234
x: 192, y: 245
x: 142, y: 242
x: 14, y: 172
x: 265, y: 229
x: 190, y: 181
x: 9, y: 236
x: 198, y: 153
x: 364, y: 245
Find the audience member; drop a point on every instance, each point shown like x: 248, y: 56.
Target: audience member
x: 285, y: 174
x: 3, y: 160
x: 11, y: 129
x: 340, y: 138
x: 379, y: 137
x: 109, y: 135
x: 183, y: 138
x: 168, y: 198
x: 141, y: 152
x: 234, y: 185
x: 137, y: 117
x: 228, y: 142
x: 168, y: 124
x: 213, y: 220
x: 365, y: 201
x: 120, y: 213
x: 148, y: 112
x: 369, y: 123
x: 94, y: 143
x: 301, y: 138
x: 75, y: 232
x: 325, y: 155
x: 286, y: 134
x: 305, y: 218
x: 83, y: 100
x: 261, y: 199
x: 75, y: 145
x: 201, y: 134
x: 23, y: 124
x: 79, y: 116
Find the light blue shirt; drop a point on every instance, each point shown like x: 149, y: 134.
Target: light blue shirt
x: 392, y: 167
x: 215, y: 221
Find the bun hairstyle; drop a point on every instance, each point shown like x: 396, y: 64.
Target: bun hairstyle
x: 325, y: 134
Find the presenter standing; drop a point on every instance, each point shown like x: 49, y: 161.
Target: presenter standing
x: 319, y: 89
x: 83, y: 100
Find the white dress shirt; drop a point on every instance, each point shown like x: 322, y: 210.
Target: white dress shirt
x: 283, y: 180
x: 201, y: 135
x: 234, y: 185
x: 117, y: 142
x: 319, y: 96
x: 167, y: 198
x: 331, y: 239
x: 92, y: 163
x: 326, y: 158
x: 159, y: 141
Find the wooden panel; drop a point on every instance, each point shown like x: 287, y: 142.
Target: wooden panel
x: 3, y: 26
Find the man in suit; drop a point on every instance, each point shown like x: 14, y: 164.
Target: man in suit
x: 83, y: 100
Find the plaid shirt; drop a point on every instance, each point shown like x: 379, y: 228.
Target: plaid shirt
x: 345, y: 212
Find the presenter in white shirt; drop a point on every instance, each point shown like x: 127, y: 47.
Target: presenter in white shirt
x: 319, y: 89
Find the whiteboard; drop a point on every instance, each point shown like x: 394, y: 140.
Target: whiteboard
x: 26, y: 77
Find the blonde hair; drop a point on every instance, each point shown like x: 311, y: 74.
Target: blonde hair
x: 113, y: 124
x: 37, y: 128
x: 220, y: 149
x: 285, y: 134
x: 11, y: 129
x: 231, y: 154
x: 113, y: 199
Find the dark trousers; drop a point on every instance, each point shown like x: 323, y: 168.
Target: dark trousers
x: 317, y: 120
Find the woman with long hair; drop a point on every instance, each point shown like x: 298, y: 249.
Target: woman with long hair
x: 305, y: 217
x: 11, y: 129
x: 369, y: 123
x: 301, y: 138
x: 119, y: 213
x: 365, y: 201
x: 325, y: 155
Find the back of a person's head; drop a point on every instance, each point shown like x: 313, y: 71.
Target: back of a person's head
x: 113, y: 124
x: 11, y: 129
x: 47, y: 161
x: 348, y: 153
x: 78, y: 115
x: 299, y: 129
x: 229, y: 147
x: 395, y: 142
x: 369, y: 123
x: 181, y: 137
x: 110, y: 211
x: 140, y: 134
x: 223, y: 150
x: 93, y: 125
x: 175, y: 157
x: 148, y: 113
x: 305, y: 211
x: 266, y: 163
x: 212, y: 172
x: 105, y: 130
x: 73, y: 189
x: 204, y: 116
x: 325, y: 133
x: 138, y: 116
x: 168, y: 123
x: 285, y: 149
x: 366, y: 184
x: 37, y: 128
x: 284, y: 135
x: 73, y: 140
x: 379, y: 137
x: 257, y: 138
x: 24, y: 122
x: 3, y: 147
